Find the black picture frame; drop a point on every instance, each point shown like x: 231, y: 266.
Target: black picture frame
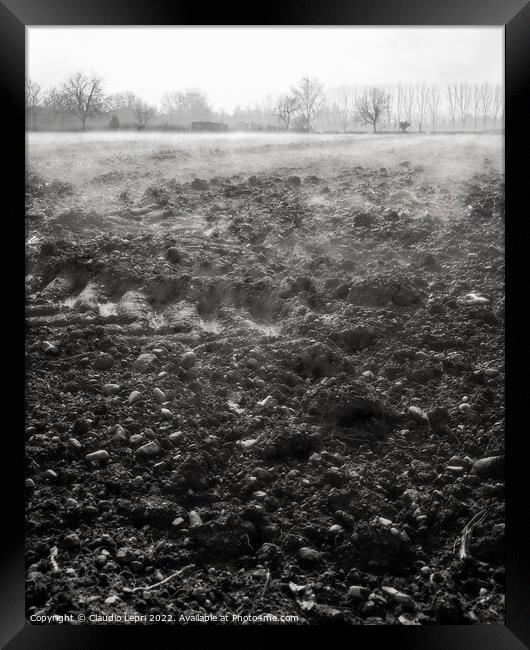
x: 15, y: 15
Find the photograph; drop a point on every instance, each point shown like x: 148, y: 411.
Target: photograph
x: 264, y: 325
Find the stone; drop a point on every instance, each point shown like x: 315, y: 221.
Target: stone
x: 262, y: 474
x: 110, y: 389
x: 149, y: 450
x: 75, y: 444
x: 72, y: 541
x: 396, y: 595
x: 308, y: 556
x: 490, y: 467
x: 247, y: 444
x: 159, y: 395
x: 418, y: 415
x: 49, y: 348
x: 195, y: 520
x: 384, y: 522
x: 411, y: 494
x: 134, y: 397
x: 99, y: 456
x: 125, y: 554
x: 491, y: 372
x: 188, y: 360
x: 146, y: 362
x: 407, y: 619
x: 166, y: 414
x: 335, y: 529
x: 358, y: 592
x: 178, y: 522
x: 136, y: 439
x: 474, y: 299
x: 267, y: 402
x: 120, y: 434
x: 334, y: 477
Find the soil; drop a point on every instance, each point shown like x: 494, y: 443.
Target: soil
x: 279, y: 383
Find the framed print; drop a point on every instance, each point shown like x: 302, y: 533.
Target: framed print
x: 264, y: 323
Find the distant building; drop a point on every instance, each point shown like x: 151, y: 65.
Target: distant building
x: 208, y: 126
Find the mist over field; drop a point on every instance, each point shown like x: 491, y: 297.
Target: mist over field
x: 84, y: 159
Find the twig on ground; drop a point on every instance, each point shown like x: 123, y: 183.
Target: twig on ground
x: 75, y: 356
x: 165, y: 580
x: 265, y: 585
x: 463, y: 552
x: 54, y: 552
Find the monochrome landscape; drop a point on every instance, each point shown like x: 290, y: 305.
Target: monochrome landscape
x: 265, y: 328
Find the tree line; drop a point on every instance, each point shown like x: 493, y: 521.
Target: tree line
x: 307, y: 106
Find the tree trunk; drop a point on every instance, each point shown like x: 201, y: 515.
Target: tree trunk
x: 83, y: 123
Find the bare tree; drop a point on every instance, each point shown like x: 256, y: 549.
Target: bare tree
x: 433, y: 103
x: 421, y: 103
x: 33, y: 100
x: 143, y: 112
x: 355, y: 97
x: 463, y: 99
x: 284, y: 109
x: 485, y: 101
x: 120, y: 101
x: 52, y: 105
x: 371, y: 105
x: 475, y: 102
x: 345, y: 106
x: 82, y: 96
x: 410, y: 94
x: 400, y: 102
x: 189, y: 105
x: 496, y: 103
x: 452, y: 102
x: 310, y: 96
x: 390, y: 105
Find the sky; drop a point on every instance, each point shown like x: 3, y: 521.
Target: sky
x: 243, y: 65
